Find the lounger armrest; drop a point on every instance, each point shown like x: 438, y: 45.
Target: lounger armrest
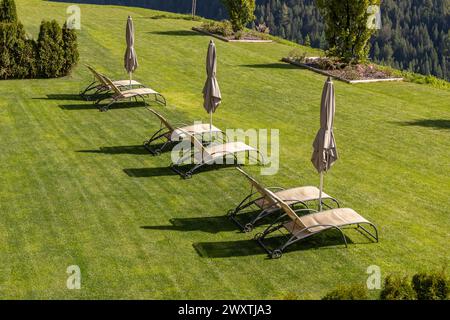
x: 305, y: 209
x: 276, y: 188
x: 179, y: 125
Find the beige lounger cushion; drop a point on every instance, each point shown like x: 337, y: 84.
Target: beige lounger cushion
x: 335, y: 217
x: 221, y: 150
x: 295, y: 195
x: 124, y: 83
x: 137, y: 92
x: 199, y: 128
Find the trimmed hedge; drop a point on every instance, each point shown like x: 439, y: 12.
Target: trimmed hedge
x: 422, y: 286
x: 397, y: 288
x: 54, y: 54
x: 8, y: 12
x: 434, y: 286
x: 17, y: 54
x: 353, y: 292
x: 50, y: 55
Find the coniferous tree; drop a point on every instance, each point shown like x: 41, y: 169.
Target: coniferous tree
x: 347, y: 30
x: 8, y: 12
x: 240, y: 12
x: 50, y: 50
x: 70, y: 48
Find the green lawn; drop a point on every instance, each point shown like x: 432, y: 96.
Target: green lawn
x: 67, y: 196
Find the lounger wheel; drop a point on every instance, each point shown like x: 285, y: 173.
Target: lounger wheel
x: 187, y: 175
x: 276, y: 254
x: 248, y: 228
x: 258, y: 236
x: 157, y: 152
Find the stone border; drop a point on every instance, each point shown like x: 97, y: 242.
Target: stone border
x: 229, y: 40
x: 302, y: 65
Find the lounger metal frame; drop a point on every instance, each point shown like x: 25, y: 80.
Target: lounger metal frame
x: 292, y: 237
x: 188, y: 174
x: 250, y: 201
x: 118, y: 96
x: 165, y: 131
x: 100, y: 86
x: 272, y: 206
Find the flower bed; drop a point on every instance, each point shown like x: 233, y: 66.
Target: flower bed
x: 224, y: 31
x: 350, y: 73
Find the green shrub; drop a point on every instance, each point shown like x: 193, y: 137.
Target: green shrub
x: 53, y: 55
x: 434, y: 286
x: 17, y: 53
x: 297, y: 55
x: 50, y: 43
x: 222, y: 28
x: 8, y: 12
x: 70, y: 49
x: 352, y: 292
x: 397, y: 288
x: 241, y: 12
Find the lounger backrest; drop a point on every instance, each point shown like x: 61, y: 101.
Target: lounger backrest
x: 97, y: 75
x: 195, y: 142
x: 112, y: 85
x: 286, y: 208
x: 274, y: 199
x: 162, y: 119
x: 260, y: 188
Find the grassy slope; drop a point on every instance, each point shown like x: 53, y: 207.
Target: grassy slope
x: 65, y: 201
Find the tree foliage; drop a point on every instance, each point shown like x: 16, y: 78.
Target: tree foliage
x: 53, y: 55
x: 16, y: 52
x: 240, y: 12
x: 70, y: 49
x: 8, y: 12
x: 50, y: 50
x: 346, y: 27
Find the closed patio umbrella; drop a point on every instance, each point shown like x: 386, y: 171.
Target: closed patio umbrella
x: 130, y: 59
x: 325, y: 152
x: 211, y: 91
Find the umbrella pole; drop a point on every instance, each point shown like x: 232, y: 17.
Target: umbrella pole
x: 210, y: 126
x: 320, y: 191
x: 130, y: 79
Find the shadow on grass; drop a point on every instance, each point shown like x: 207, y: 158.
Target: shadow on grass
x: 90, y: 105
x: 441, y: 124
x: 279, y: 65
x: 133, y: 149
x: 167, y: 171
x: 204, y: 224
x: 250, y: 247
x: 176, y: 33
x: 62, y: 97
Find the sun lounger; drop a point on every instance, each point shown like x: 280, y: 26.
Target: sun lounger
x: 128, y: 94
x: 170, y: 133
x: 258, y: 198
x: 301, y: 227
x: 99, y: 85
x: 212, y: 154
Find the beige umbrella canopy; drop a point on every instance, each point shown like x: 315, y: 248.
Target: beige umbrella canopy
x: 211, y: 91
x: 130, y: 59
x: 325, y: 152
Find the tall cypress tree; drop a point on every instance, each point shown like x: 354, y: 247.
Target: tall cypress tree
x: 347, y: 29
x: 8, y: 12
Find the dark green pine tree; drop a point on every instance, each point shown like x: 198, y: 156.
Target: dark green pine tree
x: 8, y: 12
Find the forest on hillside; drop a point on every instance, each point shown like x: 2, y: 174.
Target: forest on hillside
x: 415, y: 34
